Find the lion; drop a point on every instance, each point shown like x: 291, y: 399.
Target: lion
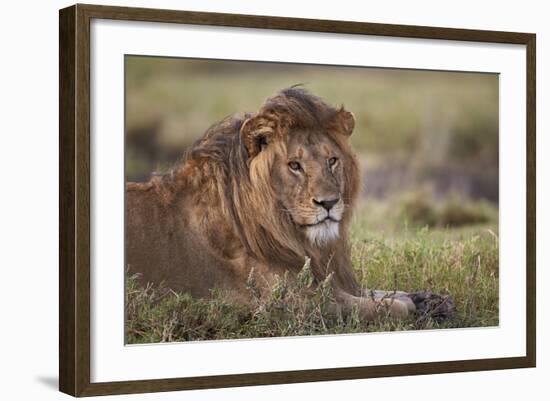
x: 259, y: 191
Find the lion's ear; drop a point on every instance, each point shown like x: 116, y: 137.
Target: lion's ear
x: 255, y: 133
x: 345, y: 122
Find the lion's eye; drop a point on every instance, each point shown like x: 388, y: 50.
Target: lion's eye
x: 263, y: 142
x: 332, y: 161
x: 295, y: 166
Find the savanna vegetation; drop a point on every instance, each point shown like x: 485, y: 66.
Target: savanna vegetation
x: 428, y: 218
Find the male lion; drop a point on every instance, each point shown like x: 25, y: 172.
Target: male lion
x: 259, y: 191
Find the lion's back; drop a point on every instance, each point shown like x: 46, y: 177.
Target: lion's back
x: 163, y: 245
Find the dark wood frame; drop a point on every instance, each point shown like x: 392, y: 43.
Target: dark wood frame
x: 74, y: 199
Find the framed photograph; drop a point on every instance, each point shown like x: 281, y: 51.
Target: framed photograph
x: 250, y: 200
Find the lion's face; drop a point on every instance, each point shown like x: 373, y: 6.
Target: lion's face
x: 300, y: 164
x: 309, y: 183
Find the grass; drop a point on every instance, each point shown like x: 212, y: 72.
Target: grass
x: 387, y: 254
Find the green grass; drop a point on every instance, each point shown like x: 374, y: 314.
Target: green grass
x: 460, y: 261
x: 387, y: 254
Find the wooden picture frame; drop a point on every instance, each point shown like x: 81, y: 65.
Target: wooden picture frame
x: 74, y: 203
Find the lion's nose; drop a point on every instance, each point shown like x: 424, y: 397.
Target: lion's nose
x: 326, y: 203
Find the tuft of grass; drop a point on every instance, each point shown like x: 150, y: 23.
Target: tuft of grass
x: 462, y: 262
x: 291, y: 308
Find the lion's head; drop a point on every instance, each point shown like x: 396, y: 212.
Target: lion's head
x: 286, y: 176
x: 299, y: 144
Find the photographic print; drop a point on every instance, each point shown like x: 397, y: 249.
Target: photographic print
x: 278, y: 199
x: 313, y: 200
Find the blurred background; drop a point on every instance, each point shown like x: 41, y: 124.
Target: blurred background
x: 427, y: 141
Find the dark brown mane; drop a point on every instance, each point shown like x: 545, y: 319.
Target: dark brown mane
x: 303, y: 110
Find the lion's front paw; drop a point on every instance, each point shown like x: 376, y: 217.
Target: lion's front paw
x: 397, y: 308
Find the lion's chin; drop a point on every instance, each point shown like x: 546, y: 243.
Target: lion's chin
x: 323, y: 233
